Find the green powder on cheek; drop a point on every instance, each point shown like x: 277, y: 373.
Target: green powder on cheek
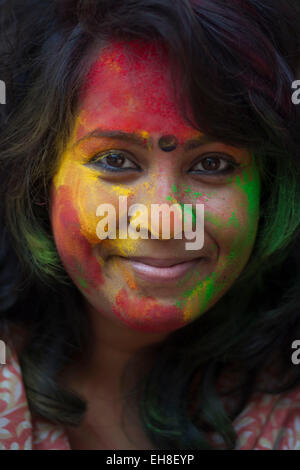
x: 186, y: 190
x: 252, y: 191
x: 210, y: 288
x: 205, y: 290
x: 187, y: 211
x: 233, y: 220
x: 174, y: 188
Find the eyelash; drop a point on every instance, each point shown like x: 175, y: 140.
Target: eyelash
x: 96, y: 160
x: 232, y: 165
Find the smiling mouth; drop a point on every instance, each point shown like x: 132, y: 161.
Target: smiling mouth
x: 153, y: 269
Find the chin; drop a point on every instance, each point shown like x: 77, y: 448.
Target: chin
x: 147, y: 313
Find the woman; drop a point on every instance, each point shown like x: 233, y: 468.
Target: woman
x: 130, y: 340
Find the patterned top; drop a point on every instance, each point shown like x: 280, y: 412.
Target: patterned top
x: 268, y: 422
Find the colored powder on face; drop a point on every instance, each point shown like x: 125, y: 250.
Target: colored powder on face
x: 187, y: 212
x: 82, y: 282
x: 199, y: 297
x: 250, y: 185
x: 147, y: 141
x: 121, y: 191
x: 128, y: 276
x: 147, y: 314
x: 184, y: 191
x: 147, y: 186
x: 212, y: 287
x: 74, y: 249
x: 233, y: 221
x: 139, y: 81
x: 125, y: 247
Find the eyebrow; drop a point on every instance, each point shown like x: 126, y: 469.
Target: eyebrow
x: 195, y: 143
x: 137, y: 139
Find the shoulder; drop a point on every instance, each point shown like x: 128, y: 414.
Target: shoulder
x: 19, y: 428
x: 15, y: 424
x: 270, y: 422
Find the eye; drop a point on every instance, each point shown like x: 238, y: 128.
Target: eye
x: 113, y: 160
x: 215, y: 164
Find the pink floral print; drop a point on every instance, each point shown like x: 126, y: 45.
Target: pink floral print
x: 268, y: 422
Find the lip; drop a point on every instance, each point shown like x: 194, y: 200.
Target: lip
x: 153, y: 269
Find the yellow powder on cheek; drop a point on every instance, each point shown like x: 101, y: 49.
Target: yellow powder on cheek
x: 121, y: 191
x: 125, y: 247
x: 196, y: 300
x: 192, y: 306
x: 84, y: 193
x: 87, y: 199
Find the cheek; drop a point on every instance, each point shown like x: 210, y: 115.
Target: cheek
x: 72, y: 245
x: 230, y: 225
x: 89, y: 195
x: 231, y: 221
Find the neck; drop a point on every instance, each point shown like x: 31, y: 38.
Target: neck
x: 113, y: 347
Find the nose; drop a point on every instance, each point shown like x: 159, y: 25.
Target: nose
x: 159, y: 215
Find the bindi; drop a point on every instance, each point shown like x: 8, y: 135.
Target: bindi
x: 168, y: 143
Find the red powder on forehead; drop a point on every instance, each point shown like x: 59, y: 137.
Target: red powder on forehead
x: 130, y: 88
x: 147, y: 314
x: 124, y: 57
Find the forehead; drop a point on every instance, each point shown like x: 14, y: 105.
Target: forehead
x: 130, y: 87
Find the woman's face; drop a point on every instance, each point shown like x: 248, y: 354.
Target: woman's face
x: 119, y: 148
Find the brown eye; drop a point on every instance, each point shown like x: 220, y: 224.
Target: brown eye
x: 214, y: 164
x: 113, y: 160
x: 211, y: 164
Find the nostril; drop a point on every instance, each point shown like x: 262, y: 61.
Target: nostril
x: 156, y: 221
